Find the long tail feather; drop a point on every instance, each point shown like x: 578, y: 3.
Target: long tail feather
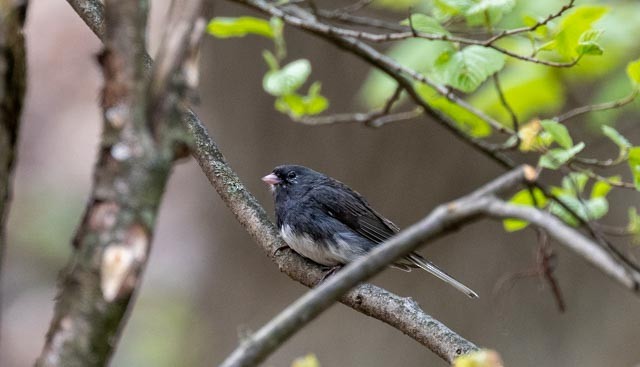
x: 426, y: 265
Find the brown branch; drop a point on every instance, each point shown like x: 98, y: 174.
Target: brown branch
x: 401, y: 313
x: 13, y: 83
x: 113, y: 240
x: 597, y: 107
x: 398, y: 36
x: 371, y: 119
x: 375, y: 118
x: 546, y: 263
x: 545, y: 21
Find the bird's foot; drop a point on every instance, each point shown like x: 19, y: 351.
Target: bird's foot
x: 283, y: 247
x: 329, y: 273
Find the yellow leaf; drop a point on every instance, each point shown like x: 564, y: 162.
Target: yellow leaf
x: 529, y: 135
x: 309, y: 360
x: 482, y: 358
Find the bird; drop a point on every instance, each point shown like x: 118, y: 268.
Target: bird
x: 324, y: 220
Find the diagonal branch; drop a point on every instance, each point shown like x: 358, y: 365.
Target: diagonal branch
x: 13, y: 83
x: 113, y: 241
x: 442, y: 220
x: 570, y: 238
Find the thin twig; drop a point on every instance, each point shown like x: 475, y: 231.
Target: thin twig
x: 597, y: 177
x: 357, y: 20
x: 370, y: 119
x: 398, y: 36
x: 614, y: 230
x: 503, y: 100
x: 441, y: 220
x: 512, y: 32
x: 597, y: 107
x: 546, y: 263
x: 358, y: 5
x: 375, y: 118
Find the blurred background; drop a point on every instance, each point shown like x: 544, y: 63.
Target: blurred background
x: 207, y: 283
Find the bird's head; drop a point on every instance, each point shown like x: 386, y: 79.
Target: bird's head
x: 292, y: 178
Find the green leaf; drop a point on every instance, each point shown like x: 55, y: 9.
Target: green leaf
x: 468, y: 68
x: 555, y: 158
x: 588, y: 45
x: 297, y: 106
x: 574, y: 183
x: 616, y: 137
x: 397, y: 5
x: 445, y: 9
x: 288, y: 79
x: 634, y: 164
x: 523, y: 197
x: 573, y: 203
x: 633, y: 71
x: 596, y: 208
x: 600, y: 189
x: 425, y: 24
x: 222, y: 27
x: 573, y: 26
x: 488, y: 11
x: 464, y: 119
x: 585, y: 209
x: 559, y: 133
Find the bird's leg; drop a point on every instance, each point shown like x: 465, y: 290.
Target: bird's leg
x: 329, y: 273
x: 283, y: 247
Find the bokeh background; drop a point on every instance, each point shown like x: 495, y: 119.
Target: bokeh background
x: 207, y: 283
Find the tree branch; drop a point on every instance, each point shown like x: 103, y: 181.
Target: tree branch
x: 375, y: 118
x: 398, y: 72
x: 442, y: 220
x: 113, y: 240
x: 412, y: 33
x: 401, y: 313
x: 570, y: 238
x: 13, y: 83
x: 598, y: 107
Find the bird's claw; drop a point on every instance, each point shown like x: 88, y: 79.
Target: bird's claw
x: 329, y: 273
x: 283, y: 247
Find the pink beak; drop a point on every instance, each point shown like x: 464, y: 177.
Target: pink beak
x: 271, y: 179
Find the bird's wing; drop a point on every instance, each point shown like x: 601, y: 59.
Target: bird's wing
x: 350, y: 208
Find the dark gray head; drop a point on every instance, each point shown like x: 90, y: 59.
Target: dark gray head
x: 293, y: 179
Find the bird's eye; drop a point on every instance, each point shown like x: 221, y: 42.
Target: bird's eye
x: 291, y: 175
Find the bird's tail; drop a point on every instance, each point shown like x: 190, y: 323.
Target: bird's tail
x: 426, y: 265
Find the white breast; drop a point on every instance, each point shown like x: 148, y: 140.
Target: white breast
x: 322, y: 253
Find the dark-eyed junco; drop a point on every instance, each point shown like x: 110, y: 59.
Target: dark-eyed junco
x: 324, y: 220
